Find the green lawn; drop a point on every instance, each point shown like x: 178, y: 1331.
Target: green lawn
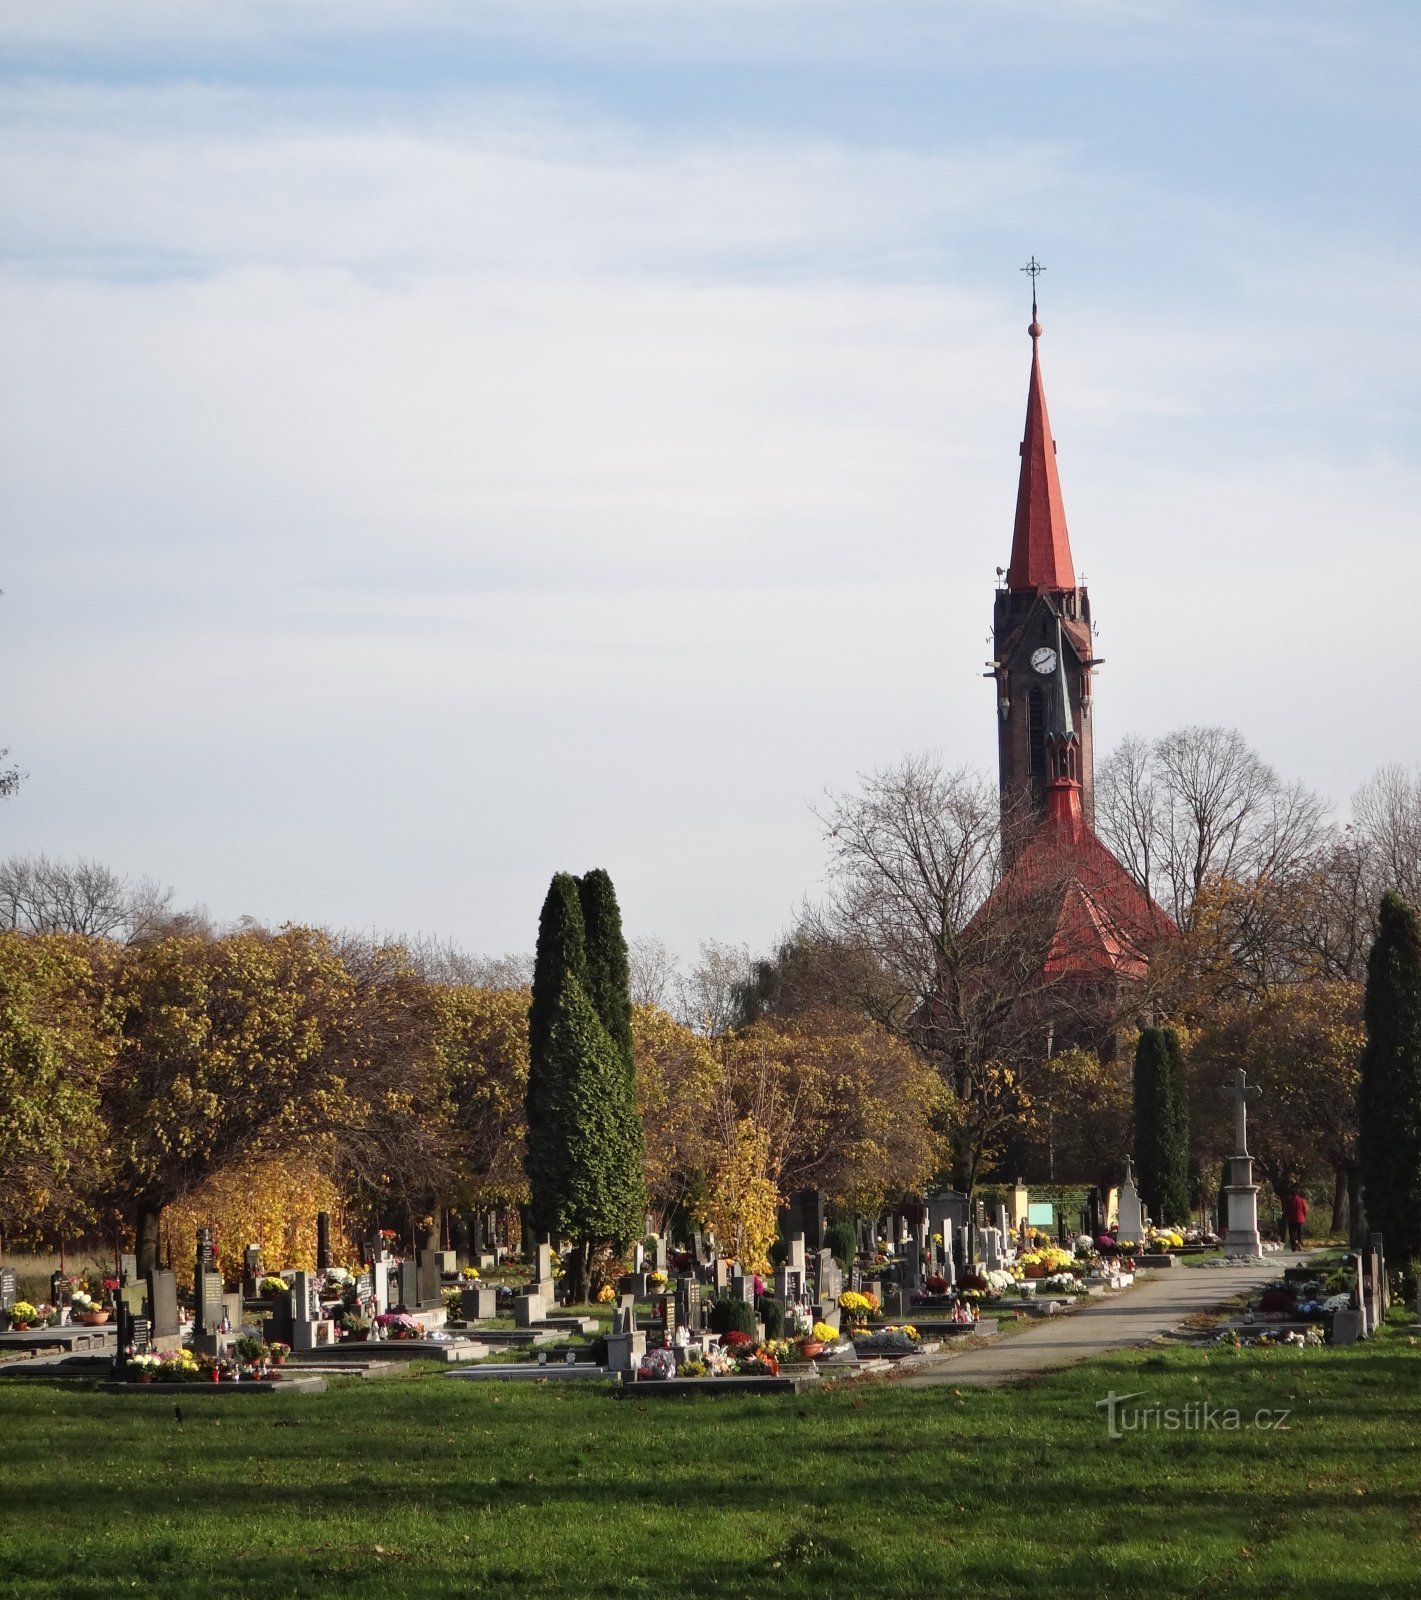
x: 431, y: 1486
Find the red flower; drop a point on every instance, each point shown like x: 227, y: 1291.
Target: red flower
x: 735, y: 1340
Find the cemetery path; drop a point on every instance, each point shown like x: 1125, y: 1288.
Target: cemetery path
x: 1137, y: 1317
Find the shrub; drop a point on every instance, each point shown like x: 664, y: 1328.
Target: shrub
x: 772, y: 1313
x: 839, y: 1237
x: 729, y: 1315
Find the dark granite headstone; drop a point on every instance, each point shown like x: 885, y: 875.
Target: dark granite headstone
x: 409, y: 1286
x: 9, y: 1291
x: 206, y: 1254
x: 364, y: 1288
x: 323, y: 1241
x: 163, y: 1302
x: 688, y: 1303
x: 666, y: 1310
x: 427, y: 1278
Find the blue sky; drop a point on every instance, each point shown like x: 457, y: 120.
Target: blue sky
x: 443, y: 444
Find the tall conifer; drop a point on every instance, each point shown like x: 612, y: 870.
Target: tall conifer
x: 1161, y: 1125
x: 561, y: 957
x: 1389, y: 1091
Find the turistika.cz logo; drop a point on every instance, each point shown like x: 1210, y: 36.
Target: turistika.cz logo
x: 1196, y: 1416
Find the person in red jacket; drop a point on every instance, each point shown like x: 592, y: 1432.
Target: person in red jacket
x: 1295, y: 1214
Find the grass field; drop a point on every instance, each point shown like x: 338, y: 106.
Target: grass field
x: 423, y: 1485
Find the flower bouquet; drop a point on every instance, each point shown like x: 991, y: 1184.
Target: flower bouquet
x: 658, y: 1364
x: 399, y: 1325
x: 24, y: 1314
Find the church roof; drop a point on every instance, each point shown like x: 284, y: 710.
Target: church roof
x: 1102, y: 923
x: 1041, y: 547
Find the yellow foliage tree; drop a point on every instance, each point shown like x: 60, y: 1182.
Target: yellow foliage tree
x: 267, y: 1202
x: 742, y: 1203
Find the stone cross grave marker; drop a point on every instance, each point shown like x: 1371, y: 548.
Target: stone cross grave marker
x: 1129, y: 1214
x: 1240, y: 1191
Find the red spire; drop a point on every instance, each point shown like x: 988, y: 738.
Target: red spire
x: 1040, y: 547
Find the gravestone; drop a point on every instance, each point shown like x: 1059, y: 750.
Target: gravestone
x: 309, y: 1329
x: 660, y: 1253
x: 991, y: 1249
x: 163, y: 1309
x: 742, y: 1287
x: 722, y: 1275
x: 965, y: 1252
x: 893, y: 1300
x: 478, y: 1303
x: 323, y: 1241
x: 666, y: 1310
x: 688, y: 1303
x: 1130, y: 1214
x: 251, y: 1270
x: 409, y: 1286
x: 365, y: 1291
x: 127, y: 1267
x: 427, y: 1275
x: 9, y: 1290
x: 206, y: 1253
x: 541, y: 1281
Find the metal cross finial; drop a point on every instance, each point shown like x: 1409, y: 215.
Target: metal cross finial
x: 1034, y: 269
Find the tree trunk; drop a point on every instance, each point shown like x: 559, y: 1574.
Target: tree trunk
x: 1339, y: 1201
x: 1356, y: 1211
x: 579, y: 1258
x: 145, y: 1232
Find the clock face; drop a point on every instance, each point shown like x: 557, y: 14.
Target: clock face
x: 1044, y: 660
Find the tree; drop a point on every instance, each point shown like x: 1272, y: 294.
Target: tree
x: 608, y: 976
x: 584, y: 1160
x: 10, y: 777
x: 1161, y: 1124
x: 1389, y: 1093
x: 957, y: 969
x: 677, y: 1075
x: 38, y: 895
x: 481, y: 1047
x: 264, y: 1043
x: 1386, y: 812
x: 1198, y: 806
x: 58, y: 1039
x: 651, y: 971
x: 1300, y: 1044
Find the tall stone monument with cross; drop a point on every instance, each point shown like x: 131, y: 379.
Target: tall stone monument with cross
x: 1240, y: 1191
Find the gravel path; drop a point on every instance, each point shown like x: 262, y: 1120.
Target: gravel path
x: 1137, y: 1316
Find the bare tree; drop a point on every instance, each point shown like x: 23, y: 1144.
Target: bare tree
x: 1199, y: 806
x: 707, y: 998
x: 1386, y: 813
x: 441, y: 961
x: 10, y: 777
x: 652, y: 970
x: 961, y: 954
x: 38, y: 895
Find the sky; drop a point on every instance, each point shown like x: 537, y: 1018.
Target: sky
x: 444, y: 444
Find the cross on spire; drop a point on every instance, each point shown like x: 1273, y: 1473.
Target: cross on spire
x: 1033, y: 269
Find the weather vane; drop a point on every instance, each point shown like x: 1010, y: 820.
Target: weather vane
x: 1034, y: 269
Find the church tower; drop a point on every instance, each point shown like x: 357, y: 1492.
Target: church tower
x: 1043, y: 658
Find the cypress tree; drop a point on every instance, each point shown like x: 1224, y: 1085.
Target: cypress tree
x: 608, y: 976
x: 584, y: 1162
x: 1161, y: 1125
x: 561, y: 956
x: 1389, y: 1090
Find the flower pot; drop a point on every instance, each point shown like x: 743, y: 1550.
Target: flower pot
x: 811, y: 1348
x: 93, y: 1319
x: 145, y: 1377
x: 19, y: 1327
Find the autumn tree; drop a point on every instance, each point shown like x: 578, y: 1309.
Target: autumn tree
x: 1389, y: 1092
x: 678, y: 1072
x: 39, y: 895
x: 481, y: 1050
x: 268, y: 1043
x: 58, y: 1040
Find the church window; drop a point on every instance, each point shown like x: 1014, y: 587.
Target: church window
x: 1036, y: 729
